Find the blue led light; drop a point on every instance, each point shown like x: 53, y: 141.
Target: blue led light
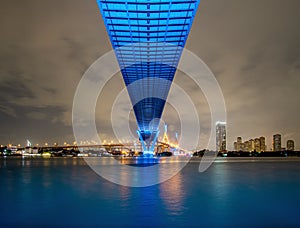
x: 147, y: 37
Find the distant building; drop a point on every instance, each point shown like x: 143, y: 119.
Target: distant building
x: 35, y: 150
x: 239, y: 144
x: 277, y: 142
x: 220, y: 136
x: 28, y: 150
x: 247, y: 146
x: 12, y: 148
x: 257, y: 145
x: 262, y: 144
x: 235, y: 146
x: 290, y: 145
x: 252, y: 145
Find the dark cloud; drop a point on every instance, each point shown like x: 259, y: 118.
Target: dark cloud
x: 251, y: 46
x: 253, y: 49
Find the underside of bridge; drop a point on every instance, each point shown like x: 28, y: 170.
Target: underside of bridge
x: 148, y: 37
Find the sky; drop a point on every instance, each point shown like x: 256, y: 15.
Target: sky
x: 252, y: 47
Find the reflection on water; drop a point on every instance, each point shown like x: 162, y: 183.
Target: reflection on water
x: 221, y: 182
x: 67, y: 192
x: 137, y: 172
x: 172, y: 194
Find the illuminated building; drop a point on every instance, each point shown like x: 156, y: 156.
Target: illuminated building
x: 252, y: 145
x: 242, y: 146
x: 248, y: 146
x: 257, y: 145
x: 239, y: 144
x: 262, y: 144
x: 220, y: 136
x: 277, y: 142
x: 235, y: 146
x: 290, y: 145
x: 148, y: 37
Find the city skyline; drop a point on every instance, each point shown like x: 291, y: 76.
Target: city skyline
x: 45, y: 50
x: 257, y: 144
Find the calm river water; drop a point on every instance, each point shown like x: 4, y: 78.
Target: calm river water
x: 232, y: 192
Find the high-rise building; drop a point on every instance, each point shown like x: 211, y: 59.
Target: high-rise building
x: 220, y: 136
x: 277, y: 142
x: 257, y: 145
x: 235, y: 146
x: 239, y: 144
x: 290, y: 145
x: 247, y: 146
x: 251, y: 145
x: 262, y: 144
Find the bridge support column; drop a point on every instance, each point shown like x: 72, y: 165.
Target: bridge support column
x: 148, y: 140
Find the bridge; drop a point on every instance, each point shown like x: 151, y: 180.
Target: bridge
x: 127, y: 149
x: 148, y: 38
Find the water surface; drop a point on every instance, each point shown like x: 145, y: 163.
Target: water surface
x: 65, y: 191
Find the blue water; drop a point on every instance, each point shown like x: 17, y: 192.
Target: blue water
x: 65, y: 191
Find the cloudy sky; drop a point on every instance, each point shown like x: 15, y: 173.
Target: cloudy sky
x: 252, y: 47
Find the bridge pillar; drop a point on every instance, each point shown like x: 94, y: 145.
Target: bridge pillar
x: 148, y: 140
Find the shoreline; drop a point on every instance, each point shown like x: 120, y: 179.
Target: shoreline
x: 165, y: 159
